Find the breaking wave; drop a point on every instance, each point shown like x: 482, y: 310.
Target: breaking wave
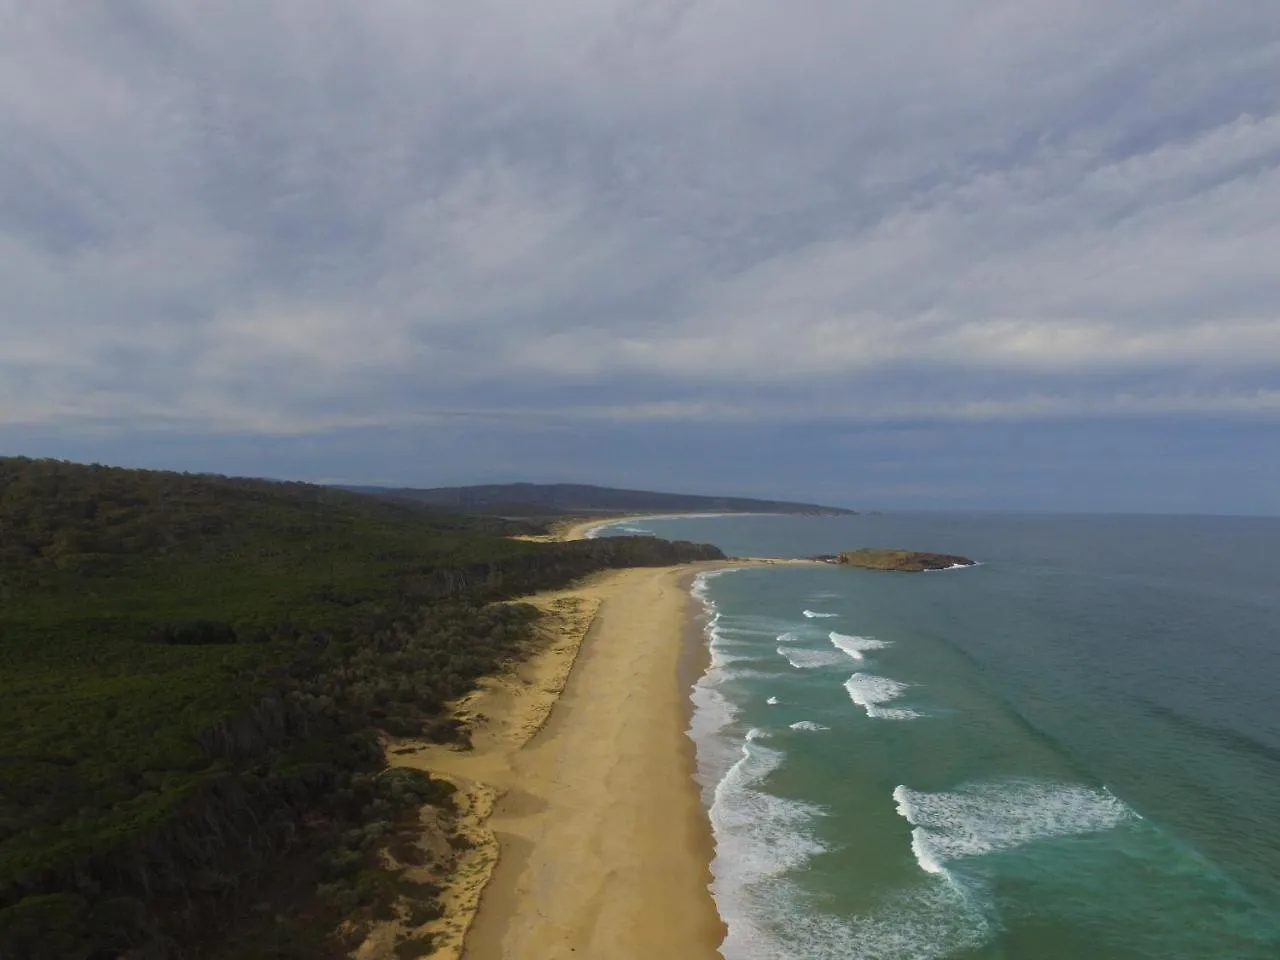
x: 871, y: 693
x: 986, y: 818
x: 855, y: 647
x: 803, y: 659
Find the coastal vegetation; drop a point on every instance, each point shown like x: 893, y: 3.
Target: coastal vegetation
x: 900, y: 561
x: 197, y: 677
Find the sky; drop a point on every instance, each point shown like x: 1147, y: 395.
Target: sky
x: 938, y: 254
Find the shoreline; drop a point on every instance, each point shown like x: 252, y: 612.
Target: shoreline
x: 615, y: 861
x: 582, y: 529
x: 587, y: 832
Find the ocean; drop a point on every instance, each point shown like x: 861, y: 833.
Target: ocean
x: 1069, y: 751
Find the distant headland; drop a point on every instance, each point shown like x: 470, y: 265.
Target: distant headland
x: 573, y: 499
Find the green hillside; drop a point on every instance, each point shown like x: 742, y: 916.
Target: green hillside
x: 194, y: 672
x: 559, y: 499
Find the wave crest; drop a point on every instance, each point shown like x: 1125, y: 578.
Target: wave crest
x: 871, y: 693
x: 803, y: 659
x: 989, y: 817
x: 855, y: 647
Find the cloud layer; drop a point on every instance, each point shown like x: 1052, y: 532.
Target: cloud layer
x: 285, y: 217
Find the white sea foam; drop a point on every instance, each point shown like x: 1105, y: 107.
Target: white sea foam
x: 985, y: 818
x: 768, y: 830
x: 928, y: 922
x: 712, y: 714
x: 772, y: 701
x: 814, y: 614
x: 759, y: 838
x: 724, y: 645
x: 699, y: 588
x: 724, y: 651
x: 855, y: 647
x: 803, y: 659
x: 716, y: 753
x: 871, y: 693
x: 775, y: 919
x: 762, y: 839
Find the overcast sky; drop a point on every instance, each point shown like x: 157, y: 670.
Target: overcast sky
x: 904, y: 253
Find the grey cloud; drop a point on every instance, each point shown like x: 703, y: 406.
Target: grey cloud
x: 288, y: 216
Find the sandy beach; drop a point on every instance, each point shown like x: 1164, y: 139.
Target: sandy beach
x: 581, y: 529
x: 589, y: 839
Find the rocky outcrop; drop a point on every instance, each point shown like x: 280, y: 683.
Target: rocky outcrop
x: 901, y: 561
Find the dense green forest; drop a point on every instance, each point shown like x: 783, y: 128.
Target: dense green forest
x: 194, y: 675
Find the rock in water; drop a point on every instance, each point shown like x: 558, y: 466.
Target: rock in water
x: 902, y: 561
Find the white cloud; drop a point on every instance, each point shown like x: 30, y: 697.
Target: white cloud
x: 285, y: 216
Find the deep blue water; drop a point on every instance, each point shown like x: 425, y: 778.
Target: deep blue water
x: 1070, y: 751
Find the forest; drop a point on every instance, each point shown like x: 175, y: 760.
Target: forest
x: 195, y: 674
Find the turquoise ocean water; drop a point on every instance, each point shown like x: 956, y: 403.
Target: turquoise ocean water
x: 1070, y: 751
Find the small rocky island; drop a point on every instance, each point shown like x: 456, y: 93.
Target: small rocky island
x: 899, y: 561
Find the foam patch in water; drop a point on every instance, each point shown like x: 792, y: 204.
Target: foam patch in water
x: 931, y: 921
x: 758, y: 834
x: 871, y: 693
x: 803, y: 659
x: 855, y: 647
x: 808, y: 725
x: 989, y: 817
x: 759, y: 838
x: 813, y: 614
x: 701, y: 584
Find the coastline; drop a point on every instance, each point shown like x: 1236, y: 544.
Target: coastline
x: 586, y: 827
x: 582, y: 529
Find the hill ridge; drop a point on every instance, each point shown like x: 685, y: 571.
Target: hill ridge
x: 564, y: 498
